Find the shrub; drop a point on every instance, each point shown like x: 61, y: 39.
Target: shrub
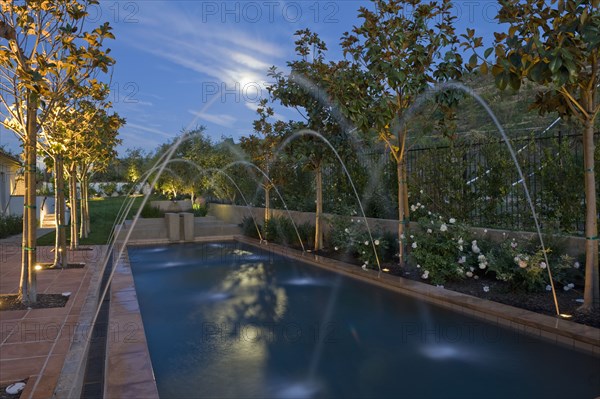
x: 109, y: 188
x: 522, y: 264
x: 10, y: 225
x: 444, y: 249
x: 351, y: 235
x: 249, y: 227
x: 149, y: 212
x: 280, y: 229
x: 200, y: 210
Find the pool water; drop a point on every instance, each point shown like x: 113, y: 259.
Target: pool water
x: 229, y: 320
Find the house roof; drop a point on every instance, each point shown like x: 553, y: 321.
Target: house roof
x: 9, y: 158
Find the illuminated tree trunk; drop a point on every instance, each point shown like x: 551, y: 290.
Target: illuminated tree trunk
x: 319, y: 210
x: 591, y: 297
x: 267, y: 189
x: 60, y: 246
x: 28, y: 285
x: 401, y: 216
x: 74, y: 211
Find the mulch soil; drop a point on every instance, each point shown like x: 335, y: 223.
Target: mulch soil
x: 45, y: 301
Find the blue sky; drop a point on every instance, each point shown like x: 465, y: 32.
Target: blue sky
x: 186, y: 63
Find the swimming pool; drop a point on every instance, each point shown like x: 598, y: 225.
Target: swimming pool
x: 232, y: 320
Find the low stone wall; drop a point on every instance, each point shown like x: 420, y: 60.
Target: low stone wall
x: 235, y: 214
x: 173, y: 206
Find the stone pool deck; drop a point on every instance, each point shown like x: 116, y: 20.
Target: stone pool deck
x: 34, y: 343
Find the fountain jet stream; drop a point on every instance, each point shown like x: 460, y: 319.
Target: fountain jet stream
x: 246, y: 163
x: 310, y: 132
x: 467, y: 90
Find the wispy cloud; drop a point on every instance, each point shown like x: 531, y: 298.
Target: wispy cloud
x: 218, y: 119
x: 148, y: 129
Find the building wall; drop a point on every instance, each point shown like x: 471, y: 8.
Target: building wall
x: 8, y: 178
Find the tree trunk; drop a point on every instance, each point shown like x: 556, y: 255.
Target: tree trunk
x: 591, y: 297
x: 88, y: 225
x: 28, y: 285
x: 74, y: 215
x: 60, y: 246
x: 267, y: 189
x: 84, y: 214
x: 319, y: 210
x: 401, y: 214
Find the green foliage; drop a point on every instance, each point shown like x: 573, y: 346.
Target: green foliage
x: 109, y: 188
x: 10, y: 225
x: 149, y: 212
x: 200, y: 210
x: 443, y: 249
x: 522, y: 264
x: 249, y: 226
x: 350, y: 235
x: 281, y: 231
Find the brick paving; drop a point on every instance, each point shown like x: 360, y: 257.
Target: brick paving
x: 34, y: 343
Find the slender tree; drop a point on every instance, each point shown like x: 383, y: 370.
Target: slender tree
x: 555, y: 44
x: 303, y: 90
x: 44, y: 52
x: 401, y: 48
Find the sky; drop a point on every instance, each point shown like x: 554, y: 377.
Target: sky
x: 188, y: 63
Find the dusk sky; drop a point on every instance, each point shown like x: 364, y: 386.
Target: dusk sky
x: 181, y: 64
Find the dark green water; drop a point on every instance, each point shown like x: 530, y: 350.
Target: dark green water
x: 232, y: 321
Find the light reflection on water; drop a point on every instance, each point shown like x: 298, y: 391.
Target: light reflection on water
x: 229, y: 326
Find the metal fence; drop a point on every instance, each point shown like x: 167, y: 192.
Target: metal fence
x: 478, y: 182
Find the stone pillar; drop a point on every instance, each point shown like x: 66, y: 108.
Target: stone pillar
x: 187, y: 222
x: 172, y: 221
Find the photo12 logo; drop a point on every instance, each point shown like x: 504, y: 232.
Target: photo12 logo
x: 269, y: 11
x: 237, y: 92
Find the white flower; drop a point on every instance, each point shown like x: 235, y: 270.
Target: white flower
x: 462, y: 260
x: 474, y: 248
x: 364, y: 266
x: 522, y: 264
x: 346, y: 230
x: 366, y: 242
x: 412, y: 236
x: 576, y: 265
x: 452, y: 220
x: 566, y: 288
x: 425, y: 275
x: 413, y: 208
x: 571, y: 285
x: 336, y: 248
x: 486, y: 288
x: 484, y: 231
x: 402, y: 236
x: 481, y: 258
x: 471, y: 268
x: 439, y: 286
x: 443, y: 227
x: 376, y: 242
x: 476, y: 277
x: 421, y: 191
x: 543, y: 265
x: 513, y: 244
x: 429, y: 213
x: 418, y: 204
x: 482, y: 265
x: 414, y: 245
x: 548, y: 287
x: 429, y: 231
x: 422, y: 206
x: 460, y: 241
x: 418, y: 266
x: 366, y: 262
x: 469, y: 274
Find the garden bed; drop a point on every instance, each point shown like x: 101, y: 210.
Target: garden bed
x: 498, y: 291
x: 44, y: 301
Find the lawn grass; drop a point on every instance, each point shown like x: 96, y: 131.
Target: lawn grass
x: 103, y: 212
